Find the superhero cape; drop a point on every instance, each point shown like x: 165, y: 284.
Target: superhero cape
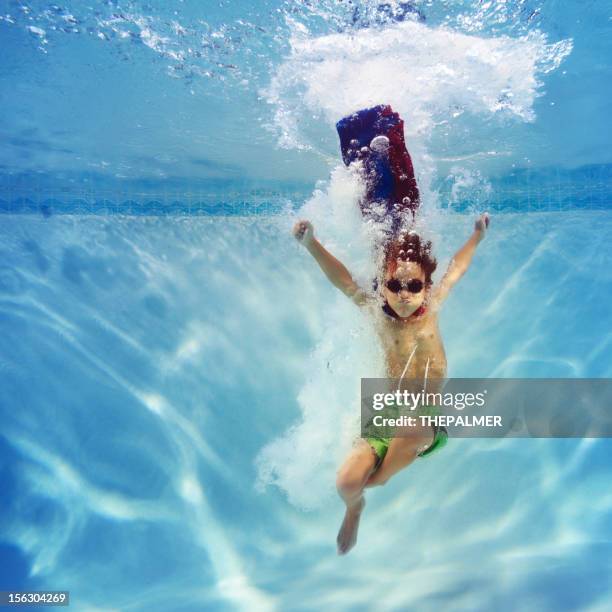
x: 391, y: 188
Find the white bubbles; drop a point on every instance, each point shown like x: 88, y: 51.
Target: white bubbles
x: 431, y: 76
x: 37, y: 31
x: 303, y: 460
x: 468, y: 184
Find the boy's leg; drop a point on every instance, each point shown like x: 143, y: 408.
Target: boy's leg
x: 402, y: 452
x: 354, y: 472
x: 350, y: 482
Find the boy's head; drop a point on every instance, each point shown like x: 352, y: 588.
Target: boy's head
x: 408, y: 267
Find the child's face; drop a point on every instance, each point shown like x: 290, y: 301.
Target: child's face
x: 404, y: 278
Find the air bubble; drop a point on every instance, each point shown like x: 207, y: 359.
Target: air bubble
x: 380, y: 144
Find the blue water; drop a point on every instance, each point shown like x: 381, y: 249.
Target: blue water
x: 177, y: 379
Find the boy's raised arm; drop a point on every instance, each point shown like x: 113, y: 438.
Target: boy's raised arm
x: 461, y: 260
x: 334, y: 269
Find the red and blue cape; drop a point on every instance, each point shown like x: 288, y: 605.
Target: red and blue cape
x: 389, y: 175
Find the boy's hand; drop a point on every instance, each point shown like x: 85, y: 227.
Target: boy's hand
x: 481, y: 225
x: 304, y: 232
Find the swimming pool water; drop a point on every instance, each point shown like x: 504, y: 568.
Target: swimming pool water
x: 178, y: 382
x: 147, y: 362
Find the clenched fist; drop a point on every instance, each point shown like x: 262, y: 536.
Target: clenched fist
x: 482, y: 224
x: 303, y: 232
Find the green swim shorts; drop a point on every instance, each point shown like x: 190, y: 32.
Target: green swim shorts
x: 380, y: 444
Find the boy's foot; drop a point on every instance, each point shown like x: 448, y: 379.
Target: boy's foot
x: 347, y: 536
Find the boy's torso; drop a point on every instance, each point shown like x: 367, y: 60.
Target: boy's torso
x: 420, y: 336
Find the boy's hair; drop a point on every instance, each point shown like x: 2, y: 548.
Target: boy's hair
x: 410, y: 247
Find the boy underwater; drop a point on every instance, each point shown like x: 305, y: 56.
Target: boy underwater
x: 410, y: 336
x: 405, y: 307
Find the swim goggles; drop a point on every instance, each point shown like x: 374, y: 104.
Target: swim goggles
x: 414, y: 285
